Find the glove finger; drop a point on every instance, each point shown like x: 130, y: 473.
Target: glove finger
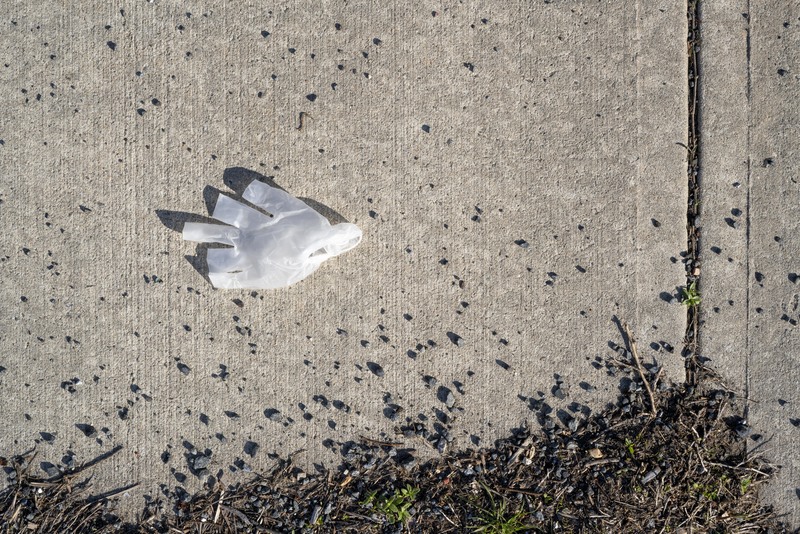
x: 237, y: 214
x: 210, y: 233
x: 226, y: 280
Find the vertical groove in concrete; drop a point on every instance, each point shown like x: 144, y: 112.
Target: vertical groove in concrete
x: 747, y: 212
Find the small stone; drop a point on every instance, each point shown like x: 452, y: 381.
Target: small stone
x: 315, y: 515
x: 450, y: 400
x: 409, y: 463
x: 743, y: 430
x: 376, y: 369
x: 88, y: 430
x: 650, y: 475
x: 50, y: 469
x: 200, y: 462
x: 573, y: 425
x: 595, y: 453
x: 455, y: 339
x: 429, y: 381
x: 251, y: 448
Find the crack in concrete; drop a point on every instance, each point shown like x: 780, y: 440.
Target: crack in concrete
x: 691, y: 347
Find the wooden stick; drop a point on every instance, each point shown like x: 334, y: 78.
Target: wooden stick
x: 219, y: 504
x: 635, y: 352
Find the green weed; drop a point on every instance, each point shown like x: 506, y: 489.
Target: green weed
x: 744, y: 484
x: 395, y: 507
x: 497, y: 519
x: 691, y: 296
x: 630, y: 448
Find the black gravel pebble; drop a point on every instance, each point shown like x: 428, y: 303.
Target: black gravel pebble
x: 88, y: 430
x: 446, y: 396
x: 455, y: 339
x: 251, y: 448
x: 272, y: 414
x: 376, y: 369
x: 200, y: 462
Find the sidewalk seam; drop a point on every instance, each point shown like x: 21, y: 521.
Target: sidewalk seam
x: 691, y: 346
x: 747, y: 221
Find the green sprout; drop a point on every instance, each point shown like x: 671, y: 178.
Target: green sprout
x: 629, y: 447
x: 497, y: 519
x: 691, y: 296
x: 395, y: 508
x: 709, y: 491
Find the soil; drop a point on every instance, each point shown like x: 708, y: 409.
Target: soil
x: 664, y: 459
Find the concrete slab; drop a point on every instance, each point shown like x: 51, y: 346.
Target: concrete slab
x: 449, y: 134
x: 751, y: 220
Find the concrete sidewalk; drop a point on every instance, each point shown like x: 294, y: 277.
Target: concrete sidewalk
x: 751, y: 222
x: 517, y: 172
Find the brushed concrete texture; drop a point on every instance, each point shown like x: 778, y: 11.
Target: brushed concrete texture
x: 446, y: 135
x: 751, y: 221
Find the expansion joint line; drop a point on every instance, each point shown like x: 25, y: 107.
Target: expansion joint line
x: 691, y: 348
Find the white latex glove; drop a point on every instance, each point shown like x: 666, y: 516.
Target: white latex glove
x: 268, y: 252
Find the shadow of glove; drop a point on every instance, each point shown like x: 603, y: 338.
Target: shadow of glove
x: 268, y: 252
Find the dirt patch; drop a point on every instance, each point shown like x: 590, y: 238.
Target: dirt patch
x: 664, y: 459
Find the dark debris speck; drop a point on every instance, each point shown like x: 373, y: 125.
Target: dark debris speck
x: 376, y: 369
